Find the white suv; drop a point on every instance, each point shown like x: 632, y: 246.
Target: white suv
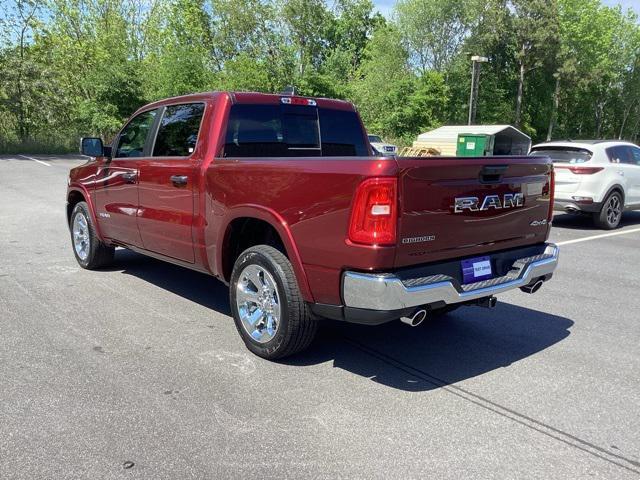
x: 597, y: 177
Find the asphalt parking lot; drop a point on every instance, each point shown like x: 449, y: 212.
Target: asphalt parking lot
x: 140, y: 366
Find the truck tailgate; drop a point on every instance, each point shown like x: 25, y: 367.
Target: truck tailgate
x: 460, y: 207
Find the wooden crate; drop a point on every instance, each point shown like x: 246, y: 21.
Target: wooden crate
x: 420, y: 152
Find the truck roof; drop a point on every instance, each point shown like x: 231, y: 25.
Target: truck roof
x: 249, y: 97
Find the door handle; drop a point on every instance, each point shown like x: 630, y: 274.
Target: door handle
x: 130, y: 177
x: 621, y: 172
x: 179, y: 180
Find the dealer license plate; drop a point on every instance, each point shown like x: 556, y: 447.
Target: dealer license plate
x: 476, y: 269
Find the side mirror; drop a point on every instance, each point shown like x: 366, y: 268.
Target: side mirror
x: 91, y: 147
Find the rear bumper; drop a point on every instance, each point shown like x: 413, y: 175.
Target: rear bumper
x: 386, y: 292
x: 571, y: 206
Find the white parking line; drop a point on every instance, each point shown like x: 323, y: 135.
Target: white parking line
x: 36, y: 160
x: 595, y: 237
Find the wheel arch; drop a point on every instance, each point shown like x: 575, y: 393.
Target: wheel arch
x: 615, y: 188
x: 77, y: 194
x: 247, y: 224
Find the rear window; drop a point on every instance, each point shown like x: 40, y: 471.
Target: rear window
x: 375, y: 139
x: 564, y: 154
x: 292, y: 131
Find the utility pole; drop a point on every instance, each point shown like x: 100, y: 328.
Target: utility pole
x: 476, y: 60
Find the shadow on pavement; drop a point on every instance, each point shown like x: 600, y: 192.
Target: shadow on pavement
x: 584, y: 222
x: 466, y: 343
x: 189, y: 284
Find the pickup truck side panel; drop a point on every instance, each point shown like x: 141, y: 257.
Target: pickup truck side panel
x: 313, y: 198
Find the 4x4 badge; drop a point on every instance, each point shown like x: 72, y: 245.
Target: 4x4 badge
x: 538, y: 223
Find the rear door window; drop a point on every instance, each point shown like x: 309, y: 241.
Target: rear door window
x: 292, y: 131
x: 620, y: 154
x: 635, y: 155
x: 178, y: 131
x: 133, y: 137
x: 564, y: 154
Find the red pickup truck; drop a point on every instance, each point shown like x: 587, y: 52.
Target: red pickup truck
x: 281, y: 198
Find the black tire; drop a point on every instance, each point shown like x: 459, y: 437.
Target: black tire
x: 98, y: 254
x: 607, y: 218
x: 296, y: 328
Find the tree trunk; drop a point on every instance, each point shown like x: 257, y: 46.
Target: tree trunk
x: 554, y: 110
x: 635, y: 129
x: 518, y: 117
x: 625, y: 117
x: 599, y: 114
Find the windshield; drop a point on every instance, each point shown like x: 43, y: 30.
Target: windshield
x: 375, y: 139
x: 564, y: 154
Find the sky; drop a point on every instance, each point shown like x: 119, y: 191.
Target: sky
x: 386, y: 6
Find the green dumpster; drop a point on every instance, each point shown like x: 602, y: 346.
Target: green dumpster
x: 474, y: 145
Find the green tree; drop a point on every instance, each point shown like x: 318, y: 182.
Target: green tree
x: 536, y: 32
x: 433, y: 30
x: 180, y: 56
x: 307, y: 23
x: 20, y: 80
x: 392, y: 100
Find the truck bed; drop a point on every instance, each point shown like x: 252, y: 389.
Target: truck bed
x: 313, y: 197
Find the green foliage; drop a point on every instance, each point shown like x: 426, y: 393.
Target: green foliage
x: 433, y: 31
x: 559, y: 68
x: 393, y: 100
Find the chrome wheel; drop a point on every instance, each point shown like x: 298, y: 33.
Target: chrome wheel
x: 614, y: 210
x: 81, y: 240
x: 258, y: 303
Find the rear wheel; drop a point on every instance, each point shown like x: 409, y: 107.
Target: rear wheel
x: 89, y: 251
x: 611, y: 213
x: 268, y: 310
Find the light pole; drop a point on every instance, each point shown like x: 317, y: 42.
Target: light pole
x: 476, y: 60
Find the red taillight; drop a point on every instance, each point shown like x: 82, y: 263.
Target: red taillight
x: 552, y: 192
x: 584, y: 170
x: 374, y: 214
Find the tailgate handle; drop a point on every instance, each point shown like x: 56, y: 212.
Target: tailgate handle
x: 492, y: 173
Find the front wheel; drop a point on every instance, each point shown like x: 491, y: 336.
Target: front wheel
x: 89, y: 251
x: 609, y: 217
x: 269, y: 312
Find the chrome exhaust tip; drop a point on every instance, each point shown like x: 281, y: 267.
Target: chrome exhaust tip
x: 533, y: 287
x: 416, y: 319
